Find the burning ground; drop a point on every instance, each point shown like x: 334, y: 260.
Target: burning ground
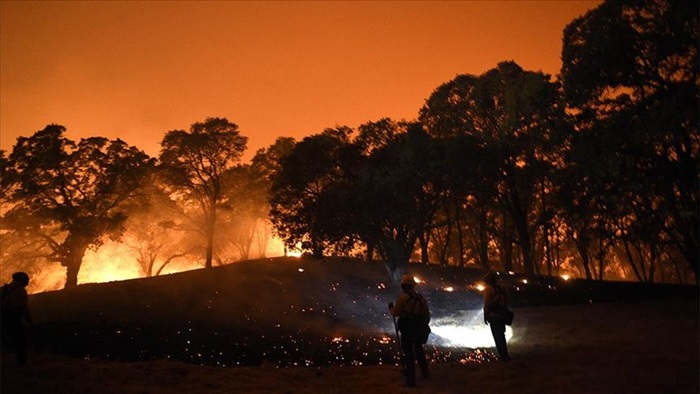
x: 296, y: 325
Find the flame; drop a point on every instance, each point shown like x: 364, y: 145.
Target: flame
x: 566, y: 276
x: 112, y: 261
x: 294, y: 253
x: 448, y: 289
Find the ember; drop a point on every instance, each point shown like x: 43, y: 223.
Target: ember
x: 333, y: 315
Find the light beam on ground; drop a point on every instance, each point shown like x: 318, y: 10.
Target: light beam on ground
x: 466, y: 329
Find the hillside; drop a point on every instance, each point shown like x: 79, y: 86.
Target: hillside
x: 174, y: 333
x: 247, y: 313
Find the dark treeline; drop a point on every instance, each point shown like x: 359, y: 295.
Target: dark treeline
x: 592, y: 173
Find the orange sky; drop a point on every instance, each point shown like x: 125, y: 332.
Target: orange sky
x: 135, y: 70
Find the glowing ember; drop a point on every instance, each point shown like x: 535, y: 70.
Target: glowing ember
x: 480, y: 286
x: 448, y: 289
x: 301, y: 270
x: 566, y: 276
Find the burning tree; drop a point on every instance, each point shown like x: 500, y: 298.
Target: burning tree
x: 63, y: 197
x: 193, y: 164
x: 157, y: 233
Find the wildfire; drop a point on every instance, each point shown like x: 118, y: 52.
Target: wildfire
x: 111, y: 262
x: 115, y: 261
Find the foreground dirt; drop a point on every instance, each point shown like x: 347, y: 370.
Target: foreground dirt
x: 622, y: 347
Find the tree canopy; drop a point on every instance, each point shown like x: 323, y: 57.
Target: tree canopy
x: 64, y: 197
x: 193, y: 163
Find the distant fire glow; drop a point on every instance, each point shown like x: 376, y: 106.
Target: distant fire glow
x: 294, y: 253
x: 115, y: 261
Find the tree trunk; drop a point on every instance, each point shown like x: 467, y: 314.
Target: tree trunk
x: 483, y: 242
x: 370, y: 252
x: 211, y: 224
x: 72, y: 258
x: 423, y: 240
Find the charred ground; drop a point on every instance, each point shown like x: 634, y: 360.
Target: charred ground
x: 283, y: 311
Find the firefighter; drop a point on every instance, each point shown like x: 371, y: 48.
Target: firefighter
x: 414, y: 315
x: 15, y: 310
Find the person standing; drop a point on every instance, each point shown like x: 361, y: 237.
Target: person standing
x: 15, y: 309
x: 496, y: 300
x: 414, y: 315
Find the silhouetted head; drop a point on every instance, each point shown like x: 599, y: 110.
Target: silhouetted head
x: 21, y: 278
x: 408, y: 282
x: 491, y: 278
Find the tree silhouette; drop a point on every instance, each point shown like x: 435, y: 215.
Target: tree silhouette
x: 630, y: 72
x: 396, y: 190
x: 67, y: 196
x: 516, y: 115
x: 193, y: 164
x: 244, y: 210
x: 307, y: 199
x: 156, y: 232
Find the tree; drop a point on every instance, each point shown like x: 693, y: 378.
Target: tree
x: 586, y: 194
x: 244, y: 210
x: 515, y: 115
x: 156, y: 232
x: 265, y: 166
x: 308, y: 205
x: 193, y: 164
x: 630, y: 73
x: 65, y: 197
x: 397, y: 190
